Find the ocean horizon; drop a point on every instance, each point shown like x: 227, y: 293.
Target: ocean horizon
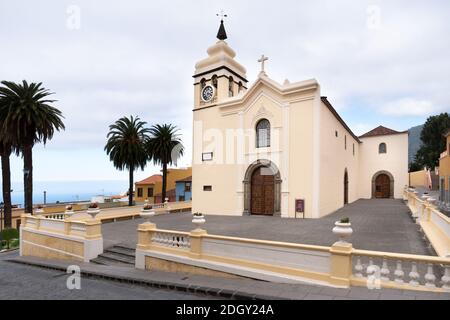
x: 67, y: 191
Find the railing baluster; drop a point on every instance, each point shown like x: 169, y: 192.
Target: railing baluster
x: 414, y: 275
x: 430, y: 278
x: 358, y: 268
x: 398, y: 273
x: 446, y: 279
x: 385, y: 271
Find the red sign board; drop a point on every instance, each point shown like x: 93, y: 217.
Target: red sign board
x: 300, y: 205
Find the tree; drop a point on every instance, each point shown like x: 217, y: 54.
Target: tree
x: 28, y: 118
x: 126, y: 147
x: 164, y: 147
x: 433, y: 141
x: 5, y: 152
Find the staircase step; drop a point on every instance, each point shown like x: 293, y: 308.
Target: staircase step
x: 127, y: 253
x: 117, y: 258
x: 124, y: 247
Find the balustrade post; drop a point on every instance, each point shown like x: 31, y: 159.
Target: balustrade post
x: 145, y: 235
x: 93, y: 229
x: 196, y: 237
x: 385, y: 270
x: 67, y: 227
x: 38, y: 222
x: 341, y: 264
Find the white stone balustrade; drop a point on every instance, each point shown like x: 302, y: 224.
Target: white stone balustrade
x: 173, y: 240
x: 403, y: 270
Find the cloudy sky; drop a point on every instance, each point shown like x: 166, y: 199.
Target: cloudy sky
x: 379, y: 62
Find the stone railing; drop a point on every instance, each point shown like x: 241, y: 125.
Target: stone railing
x: 433, y: 223
x: 339, y: 265
x: 393, y: 270
x: 170, y: 239
x: 60, y: 239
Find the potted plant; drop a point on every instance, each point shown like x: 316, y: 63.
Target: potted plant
x: 93, y: 209
x: 198, y: 219
x: 147, y: 211
x: 343, y: 229
x: 39, y: 209
x: 69, y: 209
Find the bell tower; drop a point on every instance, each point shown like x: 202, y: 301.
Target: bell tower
x: 218, y: 77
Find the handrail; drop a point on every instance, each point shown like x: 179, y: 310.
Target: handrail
x: 401, y: 256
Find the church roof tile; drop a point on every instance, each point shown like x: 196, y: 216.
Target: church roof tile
x: 380, y: 131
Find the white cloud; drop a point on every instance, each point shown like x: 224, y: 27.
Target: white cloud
x: 408, y: 107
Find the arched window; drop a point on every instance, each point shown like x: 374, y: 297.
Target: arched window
x: 230, y: 86
x: 202, y: 83
x: 214, y: 81
x: 382, y: 148
x: 263, y: 133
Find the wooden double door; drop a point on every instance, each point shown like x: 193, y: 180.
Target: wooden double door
x: 262, y: 192
x: 382, y: 186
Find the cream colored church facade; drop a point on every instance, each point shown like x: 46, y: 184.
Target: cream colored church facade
x: 260, y: 148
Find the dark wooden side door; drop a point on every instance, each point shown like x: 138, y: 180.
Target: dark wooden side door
x: 345, y: 188
x: 382, y: 186
x: 262, y: 192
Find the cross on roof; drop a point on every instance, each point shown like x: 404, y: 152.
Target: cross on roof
x: 262, y: 60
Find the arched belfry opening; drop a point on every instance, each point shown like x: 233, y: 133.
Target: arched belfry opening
x: 262, y: 189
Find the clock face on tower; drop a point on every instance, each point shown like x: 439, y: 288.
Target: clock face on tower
x: 208, y: 93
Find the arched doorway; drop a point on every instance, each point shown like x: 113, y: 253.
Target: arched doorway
x: 345, y: 187
x: 262, y: 189
x: 262, y: 192
x: 382, y: 185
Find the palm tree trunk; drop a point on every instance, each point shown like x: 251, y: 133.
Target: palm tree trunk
x: 130, y: 189
x: 164, y: 182
x: 28, y: 177
x: 6, y: 185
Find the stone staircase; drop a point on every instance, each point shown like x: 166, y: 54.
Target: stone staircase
x: 117, y: 255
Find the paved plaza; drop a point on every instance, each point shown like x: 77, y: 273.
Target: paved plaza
x: 379, y: 224
x: 22, y: 282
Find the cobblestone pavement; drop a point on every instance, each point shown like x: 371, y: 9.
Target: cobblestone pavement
x: 214, y: 287
x: 21, y: 282
x: 378, y: 224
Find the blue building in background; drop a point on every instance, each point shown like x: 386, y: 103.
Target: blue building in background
x: 183, y: 189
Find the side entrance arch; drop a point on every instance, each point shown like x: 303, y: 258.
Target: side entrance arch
x: 382, y: 185
x: 345, y: 187
x: 262, y: 189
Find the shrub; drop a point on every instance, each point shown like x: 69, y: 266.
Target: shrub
x: 198, y: 214
x: 69, y: 208
x: 345, y: 220
x: 7, y: 235
x: 93, y: 206
x: 148, y: 207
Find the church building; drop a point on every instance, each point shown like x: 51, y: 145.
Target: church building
x: 281, y: 149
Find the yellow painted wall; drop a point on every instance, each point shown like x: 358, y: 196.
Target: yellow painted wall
x: 395, y: 161
x: 334, y: 159
x: 173, y: 175
x: 444, y: 166
x: 418, y: 178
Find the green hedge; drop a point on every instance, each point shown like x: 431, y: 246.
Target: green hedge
x: 9, y: 238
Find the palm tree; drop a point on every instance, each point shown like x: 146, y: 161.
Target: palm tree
x: 126, y: 147
x: 164, y: 147
x: 27, y: 118
x: 5, y: 152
